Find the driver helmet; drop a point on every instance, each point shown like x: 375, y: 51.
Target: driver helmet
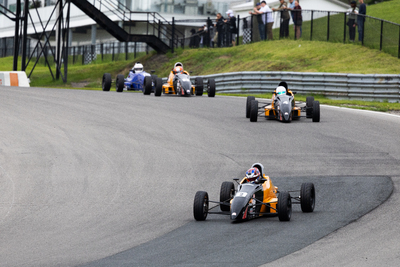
x: 138, y: 67
x: 252, y: 174
x: 280, y: 90
x: 178, y: 69
x: 178, y: 64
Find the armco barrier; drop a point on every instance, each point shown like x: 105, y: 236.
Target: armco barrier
x: 378, y: 87
x: 14, y: 78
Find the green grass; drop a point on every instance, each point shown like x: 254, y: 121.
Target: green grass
x: 388, y: 10
x: 285, y: 55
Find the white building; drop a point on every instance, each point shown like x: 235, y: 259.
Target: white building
x: 82, y: 25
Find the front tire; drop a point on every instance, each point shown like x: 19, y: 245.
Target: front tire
x: 307, y: 197
x: 315, y: 112
x: 200, y: 206
x: 253, y: 110
x: 147, y: 85
x: 119, y: 83
x: 309, y: 106
x: 248, y: 102
x: 158, y: 89
x: 226, y: 194
x: 211, y: 87
x: 199, y: 86
x: 284, y: 206
x: 106, y: 83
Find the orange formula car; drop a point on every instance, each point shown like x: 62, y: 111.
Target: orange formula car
x: 253, y: 199
x: 179, y: 83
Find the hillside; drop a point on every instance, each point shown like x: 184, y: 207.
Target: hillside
x: 388, y: 10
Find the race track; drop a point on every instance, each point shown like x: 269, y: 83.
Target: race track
x: 108, y: 179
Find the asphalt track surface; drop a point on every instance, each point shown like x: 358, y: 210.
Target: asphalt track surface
x: 108, y: 179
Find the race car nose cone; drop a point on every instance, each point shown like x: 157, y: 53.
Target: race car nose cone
x: 233, y: 216
x: 286, y: 115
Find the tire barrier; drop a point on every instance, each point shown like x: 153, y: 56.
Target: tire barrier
x: 14, y: 78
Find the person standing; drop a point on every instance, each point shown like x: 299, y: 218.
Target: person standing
x: 219, y: 24
x: 297, y: 19
x: 285, y: 17
x: 352, y: 13
x: 260, y: 19
x: 362, y: 11
x: 270, y: 22
x: 291, y: 7
x: 232, y: 26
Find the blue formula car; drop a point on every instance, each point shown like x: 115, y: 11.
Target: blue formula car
x: 137, y: 80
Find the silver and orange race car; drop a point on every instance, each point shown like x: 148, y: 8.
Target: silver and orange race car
x: 180, y: 84
x: 282, y: 106
x: 254, y: 199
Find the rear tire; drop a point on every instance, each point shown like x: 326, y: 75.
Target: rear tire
x: 307, y: 197
x: 200, y: 206
x: 119, y: 83
x: 284, y: 206
x: 253, y: 110
x: 199, y: 86
x: 106, y: 84
x: 315, y: 112
x: 211, y: 87
x: 248, y: 101
x: 226, y: 194
x: 147, y: 85
x: 158, y: 86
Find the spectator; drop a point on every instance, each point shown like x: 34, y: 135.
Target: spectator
x: 352, y: 13
x: 362, y: 11
x: 213, y: 33
x: 285, y: 17
x: 194, y: 39
x: 291, y: 7
x: 259, y: 11
x: 206, y: 36
x: 232, y: 26
x: 297, y: 19
x: 202, y: 33
x: 219, y: 24
x: 270, y: 22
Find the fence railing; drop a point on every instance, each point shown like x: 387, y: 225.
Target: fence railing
x: 378, y: 87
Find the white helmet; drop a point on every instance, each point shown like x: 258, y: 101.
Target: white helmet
x: 138, y: 68
x: 178, y: 64
x: 280, y: 90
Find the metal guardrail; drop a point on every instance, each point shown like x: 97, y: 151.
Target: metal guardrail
x: 378, y: 87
